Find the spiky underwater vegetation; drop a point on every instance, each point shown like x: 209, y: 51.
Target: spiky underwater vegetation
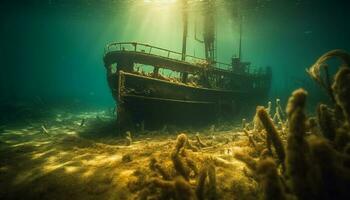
x: 281, y: 155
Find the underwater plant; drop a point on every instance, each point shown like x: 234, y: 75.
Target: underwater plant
x: 326, y: 121
x: 341, y: 90
x: 177, y: 160
x: 202, y: 176
x: 248, y: 160
x: 177, y: 180
x: 333, y: 177
x: 298, y: 163
x: 315, y: 71
x: 316, y: 150
x: 270, y: 180
x: 272, y: 135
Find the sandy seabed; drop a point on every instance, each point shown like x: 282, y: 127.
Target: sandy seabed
x: 66, y: 157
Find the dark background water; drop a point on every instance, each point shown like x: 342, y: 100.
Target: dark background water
x: 52, y: 50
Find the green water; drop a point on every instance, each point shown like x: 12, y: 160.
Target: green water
x: 52, y: 50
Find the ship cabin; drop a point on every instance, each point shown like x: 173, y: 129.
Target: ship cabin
x: 157, y: 63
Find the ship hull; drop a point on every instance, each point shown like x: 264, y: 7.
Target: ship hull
x: 154, y: 103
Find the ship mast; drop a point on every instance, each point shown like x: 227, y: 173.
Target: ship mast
x: 185, y: 28
x: 184, y: 75
x: 209, y: 31
x: 240, y: 39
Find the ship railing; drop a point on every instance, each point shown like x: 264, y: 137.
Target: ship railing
x: 158, y: 51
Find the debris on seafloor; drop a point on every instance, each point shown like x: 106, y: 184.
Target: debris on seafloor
x: 44, y: 130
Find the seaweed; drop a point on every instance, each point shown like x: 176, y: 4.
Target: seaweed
x: 155, y: 166
x: 257, y: 124
x: 203, y: 173
x: 164, y: 184
x: 183, y: 190
x: 212, y: 182
x: 298, y: 163
x: 315, y: 71
x: 178, y: 184
x: 341, y: 88
x: 250, y: 138
x: 326, y: 122
x: 334, y: 178
x: 265, y: 153
x: 248, y: 160
x: 180, y: 166
x: 192, y: 165
x: 272, y: 135
x: 270, y: 180
x: 180, y: 142
x: 312, y: 125
x: 342, y: 138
